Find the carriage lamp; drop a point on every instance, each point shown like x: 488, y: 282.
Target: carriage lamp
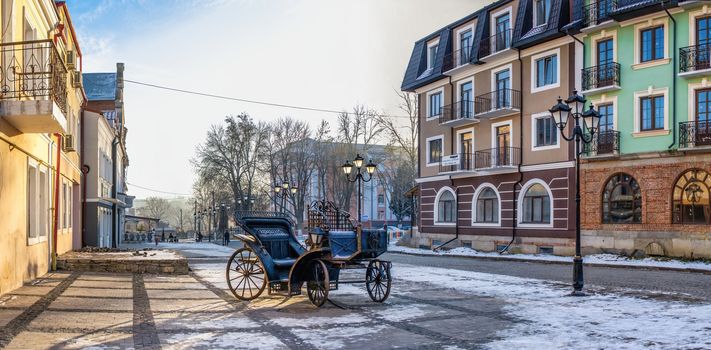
x: 277, y: 189
x: 358, y: 161
x: 294, y: 189
x: 347, y: 167
x: 285, y: 185
x: 574, y: 107
x: 370, y: 167
x: 316, y: 237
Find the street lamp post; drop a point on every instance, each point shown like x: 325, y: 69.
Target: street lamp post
x: 561, y: 113
x: 285, y: 190
x: 359, y: 175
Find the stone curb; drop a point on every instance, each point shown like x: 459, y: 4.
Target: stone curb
x: 618, y: 266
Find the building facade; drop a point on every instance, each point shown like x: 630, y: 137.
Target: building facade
x: 106, y: 200
x: 646, y: 176
x: 494, y: 173
x: 39, y: 126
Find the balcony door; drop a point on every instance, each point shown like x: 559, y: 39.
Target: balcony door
x: 503, y: 89
x: 465, y: 100
x: 466, y: 150
x: 605, y: 60
x: 503, y: 27
x: 465, y: 46
x: 703, y: 39
x: 606, y: 136
x: 702, y: 136
x: 503, y: 141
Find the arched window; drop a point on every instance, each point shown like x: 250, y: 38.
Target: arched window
x: 446, y: 206
x: 536, y: 206
x: 691, y: 198
x: 622, y: 200
x: 487, y: 206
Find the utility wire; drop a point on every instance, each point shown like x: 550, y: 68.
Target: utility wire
x: 222, y: 97
x: 158, y: 191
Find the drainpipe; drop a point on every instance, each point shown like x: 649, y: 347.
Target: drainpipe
x: 114, y: 207
x: 84, y: 171
x: 518, y: 182
x: 456, y: 216
x: 56, y: 202
x: 674, y: 77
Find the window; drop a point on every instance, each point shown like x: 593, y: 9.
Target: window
x: 547, y: 71
x: 465, y: 45
x: 621, y: 200
x: 435, y: 105
x: 446, y: 206
x: 65, y: 205
x: 691, y: 198
x: 381, y: 199
x: 431, y: 55
x: 487, y: 206
x: 546, y: 132
x: 503, y: 28
x: 542, y: 10
x: 434, y: 150
x: 652, y: 46
x: 652, y: 112
x: 536, y: 205
x: 607, y: 117
x: 32, y: 202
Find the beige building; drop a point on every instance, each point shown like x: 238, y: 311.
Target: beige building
x: 39, y: 126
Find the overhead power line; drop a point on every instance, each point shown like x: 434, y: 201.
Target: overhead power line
x: 230, y: 98
x: 158, y: 191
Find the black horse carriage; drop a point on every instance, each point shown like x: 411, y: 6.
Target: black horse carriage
x: 273, y: 256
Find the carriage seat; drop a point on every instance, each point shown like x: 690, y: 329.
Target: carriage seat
x: 284, y: 262
x: 342, y: 235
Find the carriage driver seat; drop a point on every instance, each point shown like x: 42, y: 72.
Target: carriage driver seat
x: 275, y: 234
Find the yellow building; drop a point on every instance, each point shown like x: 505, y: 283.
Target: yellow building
x: 41, y: 99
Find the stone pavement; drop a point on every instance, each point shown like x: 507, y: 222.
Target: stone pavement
x: 196, y: 311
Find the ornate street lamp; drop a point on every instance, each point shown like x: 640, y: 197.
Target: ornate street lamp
x: 360, y: 176
x: 562, y: 112
x: 286, y: 190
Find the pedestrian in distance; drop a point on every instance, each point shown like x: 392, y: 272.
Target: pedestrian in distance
x: 155, y: 237
x: 226, y: 238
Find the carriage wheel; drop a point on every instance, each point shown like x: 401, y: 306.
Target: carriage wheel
x: 245, y: 274
x: 378, y: 280
x: 318, y: 285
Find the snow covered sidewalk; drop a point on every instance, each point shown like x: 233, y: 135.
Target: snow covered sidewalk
x: 596, y: 259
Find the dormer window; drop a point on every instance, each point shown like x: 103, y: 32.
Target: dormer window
x: 431, y: 55
x: 541, y: 11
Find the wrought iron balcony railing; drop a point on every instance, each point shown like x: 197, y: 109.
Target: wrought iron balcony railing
x: 597, y: 12
x: 694, y: 134
x: 495, y: 43
x: 460, y: 110
x: 33, y: 70
x: 603, y: 143
x: 693, y: 58
x: 496, y: 100
x: 497, y: 157
x: 607, y: 74
x: 457, y: 58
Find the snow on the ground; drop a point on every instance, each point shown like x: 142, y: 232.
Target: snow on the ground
x: 550, y: 319
x: 202, y: 248
x: 595, y: 259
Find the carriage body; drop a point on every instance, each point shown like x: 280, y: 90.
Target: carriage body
x: 273, y: 251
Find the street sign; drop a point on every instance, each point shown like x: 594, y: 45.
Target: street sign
x: 450, y: 160
x: 364, y: 218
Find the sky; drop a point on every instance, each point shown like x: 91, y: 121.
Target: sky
x: 329, y: 54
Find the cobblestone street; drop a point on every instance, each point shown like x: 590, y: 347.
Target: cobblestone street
x: 132, y: 311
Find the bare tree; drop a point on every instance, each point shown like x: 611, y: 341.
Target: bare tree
x: 403, y: 132
x: 157, y: 207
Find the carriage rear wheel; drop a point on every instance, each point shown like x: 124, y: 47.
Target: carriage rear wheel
x: 317, y: 285
x: 378, y: 280
x: 246, y: 276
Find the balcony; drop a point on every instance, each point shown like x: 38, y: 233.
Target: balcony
x: 495, y: 43
x: 457, y: 59
x: 33, y: 83
x: 496, y: 158
x: 597, y: 12
x: 695, y: 61
x: 497, y: 103
x: 602, y: 78
x: 459, y: 113
x: 695, y: 135
x: 604, y: 144
x: 456, y: 163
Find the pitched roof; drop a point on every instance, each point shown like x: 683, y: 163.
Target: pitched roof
x: 100, y: 86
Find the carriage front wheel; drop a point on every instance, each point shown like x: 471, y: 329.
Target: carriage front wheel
x: 245, y: 274
x: 378, y: 280
x: 317, y: 284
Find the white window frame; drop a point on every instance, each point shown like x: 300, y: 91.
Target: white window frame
x: 637, y: 113
x: 459, y: 88
x: 492, y: 26
x: 459, y: 144
x: 500, y: 69
x: 436, y: 207
x: 493, y: 132
x: 535, y: 14
x: 649, y: 23
x: 702, y: 12
x: 431, y: 61
x: 427, y: 148
x: 704, y: 84
x: 603, y: 35
x: 534, y: 67
x: 461, y: 30
x: 427, y: 103
x: 478, y: 191
x: 604, y: 100
x: 534, y: 119
x: 519, y: 204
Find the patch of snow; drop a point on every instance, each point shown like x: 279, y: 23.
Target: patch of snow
x: 550, y: 319
x: 230, y: 340
x: 595, y: 259
x: 400, y: 313
x: 336, y: 339
x: 318, y: 321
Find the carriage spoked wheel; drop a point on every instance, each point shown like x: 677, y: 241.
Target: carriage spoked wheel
x: 317, y: 285
x: 378, y: 280
x: 245, y: 274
